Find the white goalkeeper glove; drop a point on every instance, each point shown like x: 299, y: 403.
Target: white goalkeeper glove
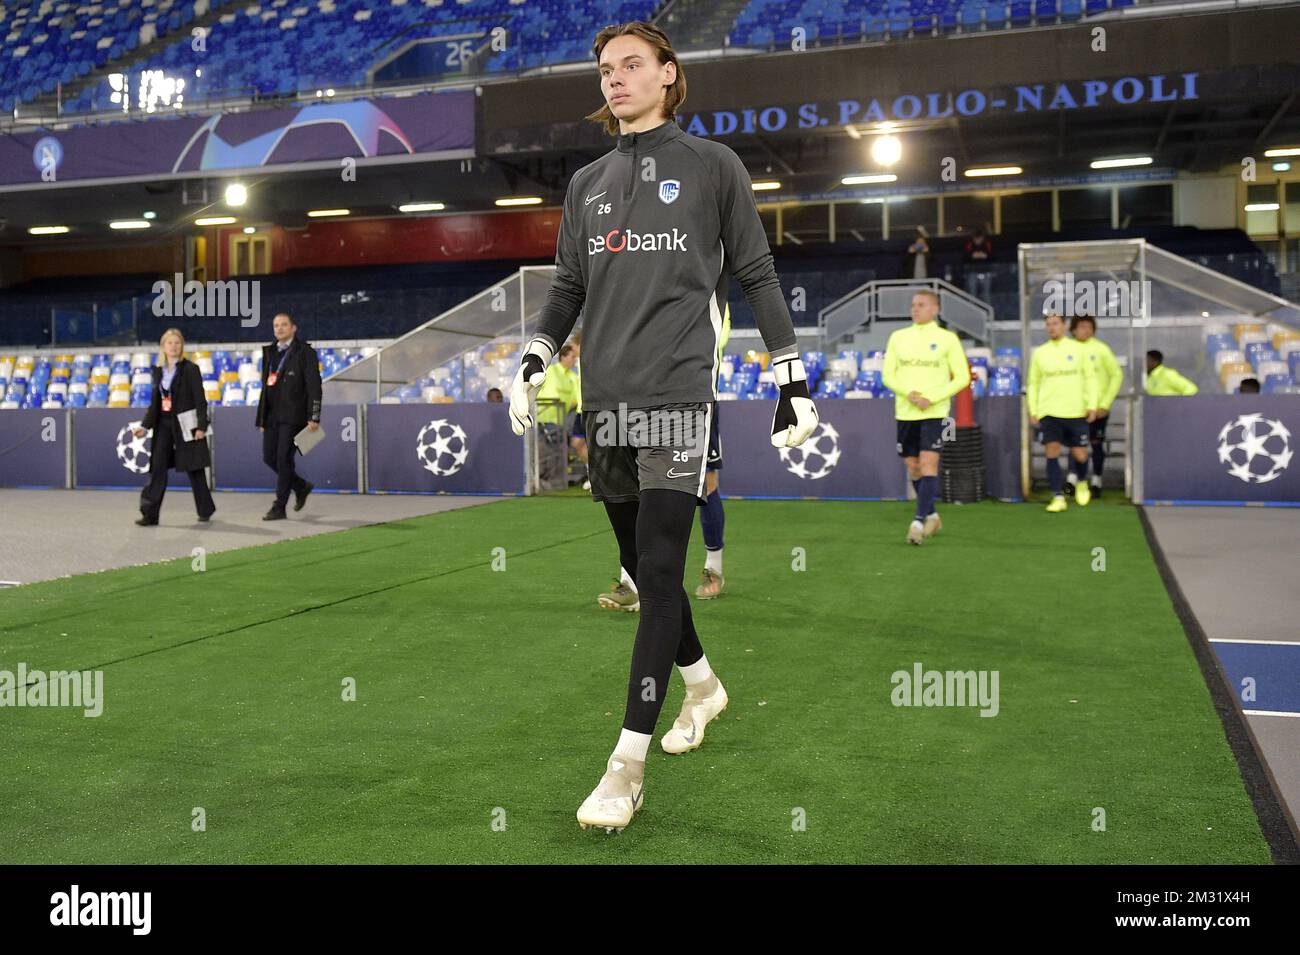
x: 796, y: 417
x: 528, y: 380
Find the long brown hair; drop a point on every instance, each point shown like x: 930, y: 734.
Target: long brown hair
x: 674, y: 95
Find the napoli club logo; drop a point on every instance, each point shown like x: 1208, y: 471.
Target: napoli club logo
x: 442, y: 447
x: 1255, y: 449
x: 669, y: 190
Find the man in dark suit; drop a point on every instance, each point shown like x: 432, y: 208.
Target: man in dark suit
x: 290, y: 401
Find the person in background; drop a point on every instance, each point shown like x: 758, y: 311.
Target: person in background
x: 578, y: 434
x: 916, y: 261
x: 1109, y: 379
x: 976, y: 256
x: 1062, y: 396
x: 494, y: 395
x: 177, y: 388
x: 290, y: 401
x: 1163, y: 380
x: 1249, y: 386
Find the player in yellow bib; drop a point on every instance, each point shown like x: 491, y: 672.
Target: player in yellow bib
x: 1062, y: 401
x: 924, y: 367
x: 1109, y: 379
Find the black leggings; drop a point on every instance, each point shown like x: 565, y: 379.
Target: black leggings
x: 652, y: 538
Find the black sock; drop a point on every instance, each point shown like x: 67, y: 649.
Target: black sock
x: 663, y: 530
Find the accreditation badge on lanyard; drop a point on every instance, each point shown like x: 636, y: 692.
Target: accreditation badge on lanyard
x: 166, y: 402
x: 275, y: 375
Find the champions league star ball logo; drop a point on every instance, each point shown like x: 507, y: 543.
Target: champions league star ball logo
x: 817, y: 456
x: 1255, y: 449
x: 133, y: 452
x: 442, y: 447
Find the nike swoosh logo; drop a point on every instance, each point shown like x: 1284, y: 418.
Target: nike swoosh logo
x: 591, y: 199
x: 669, y: 473
x: 691, y: 738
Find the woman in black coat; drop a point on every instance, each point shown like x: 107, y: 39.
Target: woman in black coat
x: 177, y: 387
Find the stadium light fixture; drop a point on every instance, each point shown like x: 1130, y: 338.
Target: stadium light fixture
x: 123, y: 224
x: 421, y: 207
x: 520, y: 201
x: 1121, y: 162
x: 215, y: 220
x: 867, y: 180
x: 1282, y: 151
x: 765, y: 185
x: 249, y: 229
x: 236, y: 194
x: 151, y: 215
x: 47, y: 230
x: 1262, y: 207
x: 324, y: 213
x: 1281, y: 167
x: 994, y: 171
x: 886, y: 150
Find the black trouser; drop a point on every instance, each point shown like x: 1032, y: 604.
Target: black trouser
x: 277, y: 451
x: 161, y: 459
x: 652, y: 538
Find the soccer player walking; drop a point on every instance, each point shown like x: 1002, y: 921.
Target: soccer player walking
x: 1062, y: 401
x: 1109, y: 378
x: 925, y: 366
x: 648, y: 236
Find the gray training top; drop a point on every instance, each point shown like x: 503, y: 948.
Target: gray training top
x: 649, y: 233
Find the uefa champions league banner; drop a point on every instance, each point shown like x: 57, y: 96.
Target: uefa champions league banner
x: 1220, y: 449
x: 851, y: 454
x: 444, y: 449
x: 33, y: 448
x: 415, y: 127
x: 107, y: 454
x: 237, y: 463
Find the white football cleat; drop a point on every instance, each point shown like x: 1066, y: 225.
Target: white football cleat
x: 932, y: 524
x: 615, y: 800
x: 915, y: 532
x: 687, y: 731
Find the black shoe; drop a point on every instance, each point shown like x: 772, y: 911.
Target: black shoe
x: 147, y: 522
x: 206, y: 517
x: 275, y: 514
x: 1069, y: 489
x: 300, y: 497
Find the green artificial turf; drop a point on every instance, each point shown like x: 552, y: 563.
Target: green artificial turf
x: 485, y: 694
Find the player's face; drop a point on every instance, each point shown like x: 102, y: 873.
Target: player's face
x: 1055, y: 326
x: 1083, y: 331
x: 924, y: 309
x: 282, y: 327
x: 632, y: 79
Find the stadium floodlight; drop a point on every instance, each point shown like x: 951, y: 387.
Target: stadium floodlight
x: 886, y: 150
x: 1279, y: 151
x: 236, y: 194
x: 323, y: 213
x: 867, y: 180
x: 765, y: 185
x: 994, y: 171
x: 130, y: 224
x: 215, y: 220
x: 1121, y: 162
x: 421, y: 207
x: 47, y: 230
x: 520, y: 201
x: 150, y: 215
x: 1261, y: 207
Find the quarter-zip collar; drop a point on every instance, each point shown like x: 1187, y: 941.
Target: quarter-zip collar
x: 634, y: 145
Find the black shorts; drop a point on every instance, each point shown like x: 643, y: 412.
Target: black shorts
x: 1071, y: 432
x: 578, y: 430
x: 1097, y: 430
x: 925, y: 434
x: 661, y: 447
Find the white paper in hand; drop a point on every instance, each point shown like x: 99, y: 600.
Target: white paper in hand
x: 307, y: 439
x: 189, y: 423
